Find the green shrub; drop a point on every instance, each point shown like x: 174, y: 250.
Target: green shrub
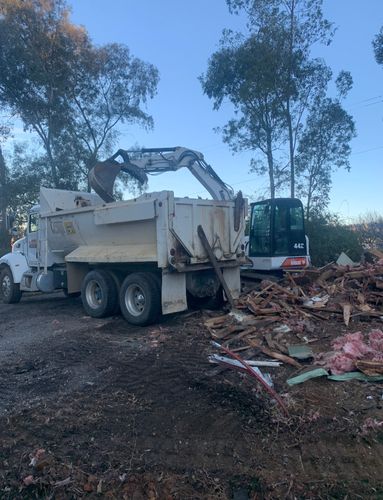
x: 329, y: 237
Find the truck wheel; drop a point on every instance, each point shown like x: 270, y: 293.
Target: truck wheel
x: 140, y: 298
x: 99, y: 294
x: 9, y: 290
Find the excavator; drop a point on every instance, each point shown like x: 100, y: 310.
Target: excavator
x: 276, y: 238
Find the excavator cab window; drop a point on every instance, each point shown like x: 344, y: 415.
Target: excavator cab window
x: 260, y: 229
x: 277, y: 228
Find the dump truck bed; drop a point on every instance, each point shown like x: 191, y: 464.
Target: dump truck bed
x: 155, y: 227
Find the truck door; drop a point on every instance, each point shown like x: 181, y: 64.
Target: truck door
x: 33, y: 239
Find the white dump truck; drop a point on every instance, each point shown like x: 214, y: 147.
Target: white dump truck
x: 143, y: 256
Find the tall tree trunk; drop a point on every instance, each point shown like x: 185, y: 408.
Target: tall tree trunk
x: 270, y: 161
x: 89, y: 165
x: 3, y: 201
x: 309, y: 198
x: 288, y: 110
x: 4, y: 236
x: 291, y: 150
x: 52, y: 165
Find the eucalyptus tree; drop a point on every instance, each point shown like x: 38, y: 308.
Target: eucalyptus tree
x: 70, y: 93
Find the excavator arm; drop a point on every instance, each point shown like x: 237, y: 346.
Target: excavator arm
x: 141, y: 162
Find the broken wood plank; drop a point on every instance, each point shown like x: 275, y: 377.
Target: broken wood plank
x: 225, y: 332
x: 243, y: 348
x: 329, y: 273
x: 357, y: 274
x: 269, y: 340
x: 263, y: 290
x: 347, y: 308
x: 217, y: 320
x: 370, y: 368
x: 375, y: 252
x: 239, y: 336
x: 275, y: 355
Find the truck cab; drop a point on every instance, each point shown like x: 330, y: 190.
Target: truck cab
x: 29, y: 245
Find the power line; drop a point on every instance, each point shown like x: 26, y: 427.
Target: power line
x: 373, y: 103
x: 369, y: 99
x: 366, y: 150
x: 363, y: 101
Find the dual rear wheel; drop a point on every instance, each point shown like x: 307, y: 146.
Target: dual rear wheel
x: 138, y: 297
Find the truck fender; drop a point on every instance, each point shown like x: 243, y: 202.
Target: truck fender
x: 17, y: 263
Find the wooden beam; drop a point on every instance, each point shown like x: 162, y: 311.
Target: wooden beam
x: 214, y: 262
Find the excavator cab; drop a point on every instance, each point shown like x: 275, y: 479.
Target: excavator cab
x: 277, y: 239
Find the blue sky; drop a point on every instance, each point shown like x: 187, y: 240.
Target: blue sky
x: 178, y: 36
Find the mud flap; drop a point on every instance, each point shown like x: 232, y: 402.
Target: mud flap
x: 173, y: 293
x: 232, y: 276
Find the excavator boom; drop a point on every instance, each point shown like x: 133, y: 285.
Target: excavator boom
x: 139, y: 163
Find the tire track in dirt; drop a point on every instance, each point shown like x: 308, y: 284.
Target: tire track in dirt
x: 338, y: 460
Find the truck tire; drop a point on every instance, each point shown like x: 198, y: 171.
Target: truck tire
x: 140, y: 298
x: 99, y: 294
x: 9, y: 290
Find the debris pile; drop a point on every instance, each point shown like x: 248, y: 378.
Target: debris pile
x: 318, y: 294
x: 294, y: 304
x: 280, y: 320
x: 354, y: 351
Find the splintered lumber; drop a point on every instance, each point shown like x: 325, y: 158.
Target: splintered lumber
x: 225, y: 332
x: 240, y: 335
x: 215, y: 322
x: 356, y: 274
x: 275, y: 355
x: 284, y: 291
x: 370, y: 367
x: 264, y: 311
x: 377, y: 253
x: 262, y: 323
x: 330, y: 291
x: 329, y: 273
x: 346, y: 313
x: 240, y: 349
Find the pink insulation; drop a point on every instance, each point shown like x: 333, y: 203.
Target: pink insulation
x: 376, y: 340
x: 352, y: 347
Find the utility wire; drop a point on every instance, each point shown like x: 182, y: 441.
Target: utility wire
x: 366, y: 150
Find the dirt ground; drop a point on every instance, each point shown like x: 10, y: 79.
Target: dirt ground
x: 139, y: 413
